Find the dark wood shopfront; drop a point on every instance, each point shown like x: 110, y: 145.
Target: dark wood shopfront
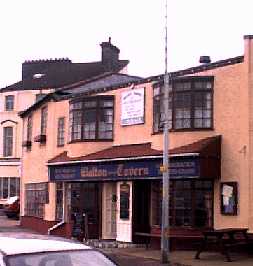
x: 86, y: 201
x: 141, y: 207
x: 193, y: 169
x: 191, y: 198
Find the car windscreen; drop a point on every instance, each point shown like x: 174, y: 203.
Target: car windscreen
x: 63, y: 258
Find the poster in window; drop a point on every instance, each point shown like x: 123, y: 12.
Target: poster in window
x: 124, y: 201
x: 229, y: 198
x: 132, y: 107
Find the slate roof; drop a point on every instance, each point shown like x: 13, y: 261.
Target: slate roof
x: 184, y: 73
x: 103, y: 81
x: 66, y: 74
x: 205, y: 147
x: 158, y: 78
x: 86, y: 86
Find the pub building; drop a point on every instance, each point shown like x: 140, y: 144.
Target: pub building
x: 127, y: 178
x: 100, y: 163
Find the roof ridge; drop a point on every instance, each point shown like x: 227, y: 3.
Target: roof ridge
x: 47, y: 60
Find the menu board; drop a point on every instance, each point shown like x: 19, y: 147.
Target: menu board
x: 229, y: 198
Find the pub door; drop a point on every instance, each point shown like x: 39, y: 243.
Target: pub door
x: 110, y: 210
x: 141, y: 207
x: 86, y: 201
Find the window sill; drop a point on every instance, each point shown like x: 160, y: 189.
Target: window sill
x: 60, y: 145
x: 27, y: 143
x: 184, y: 130
x: 40, y: 138
x: 90, y: 140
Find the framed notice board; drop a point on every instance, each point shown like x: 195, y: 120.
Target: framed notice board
x: 124, y: 201
x: 229, y: 198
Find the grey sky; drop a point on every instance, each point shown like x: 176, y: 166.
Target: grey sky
x: 62, y: 28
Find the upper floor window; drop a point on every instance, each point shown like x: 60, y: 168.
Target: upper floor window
x: 190, y: 104
x: 7, y: 141
x: 61, y: 131
x: 39, y: 96
x: 92, y: 118
x: 9, y: 103
x: 43, y: 121
x: 29, y: 128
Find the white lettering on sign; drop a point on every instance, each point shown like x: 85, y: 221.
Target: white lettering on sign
x: 132, y: 107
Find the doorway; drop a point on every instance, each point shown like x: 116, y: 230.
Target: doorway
x: 109, y: 211
x: 86, y: 200
x: 141, y: 207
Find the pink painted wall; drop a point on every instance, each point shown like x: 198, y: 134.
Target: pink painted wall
x: 233, y: 120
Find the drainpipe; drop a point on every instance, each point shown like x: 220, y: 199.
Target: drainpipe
x: 63, y: 214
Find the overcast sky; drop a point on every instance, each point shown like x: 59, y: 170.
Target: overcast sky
x: 61, y: 28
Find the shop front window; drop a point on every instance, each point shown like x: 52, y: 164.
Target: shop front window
x: 190, y: 203
x: 36, y: 196
x: 59, y: 201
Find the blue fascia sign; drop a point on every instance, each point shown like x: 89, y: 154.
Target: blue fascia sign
x: 124, y: 170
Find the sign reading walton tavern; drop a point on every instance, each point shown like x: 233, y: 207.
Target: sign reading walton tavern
x: 132, y: 107
x: 128, y: 170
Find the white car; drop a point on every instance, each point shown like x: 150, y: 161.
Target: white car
x: 22, y: 251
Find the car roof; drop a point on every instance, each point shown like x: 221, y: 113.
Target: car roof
x: 14, y: 246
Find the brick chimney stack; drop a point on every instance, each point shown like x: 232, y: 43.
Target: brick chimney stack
x: 110, y: 55
x: 248, y: 52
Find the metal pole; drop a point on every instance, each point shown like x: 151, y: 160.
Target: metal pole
x: 165, y: 258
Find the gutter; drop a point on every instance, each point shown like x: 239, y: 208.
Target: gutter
x: 63, y: 214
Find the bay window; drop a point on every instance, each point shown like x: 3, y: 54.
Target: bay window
x: 91, y: 118
x: 190, y: 104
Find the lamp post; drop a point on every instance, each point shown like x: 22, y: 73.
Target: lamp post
x: 165, y: 258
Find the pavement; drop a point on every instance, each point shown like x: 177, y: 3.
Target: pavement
x: 142, y: 256
x: 183, y: 258
x: 11, y: 225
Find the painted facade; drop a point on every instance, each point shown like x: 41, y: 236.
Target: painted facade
x: 116, y: 197
x: 10, y: 157
x: 40, y: 77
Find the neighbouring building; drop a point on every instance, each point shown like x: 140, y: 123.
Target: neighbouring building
x: 40, y: 77
x: 98, y: 153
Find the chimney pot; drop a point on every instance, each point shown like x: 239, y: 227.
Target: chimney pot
x: 204, y: 59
